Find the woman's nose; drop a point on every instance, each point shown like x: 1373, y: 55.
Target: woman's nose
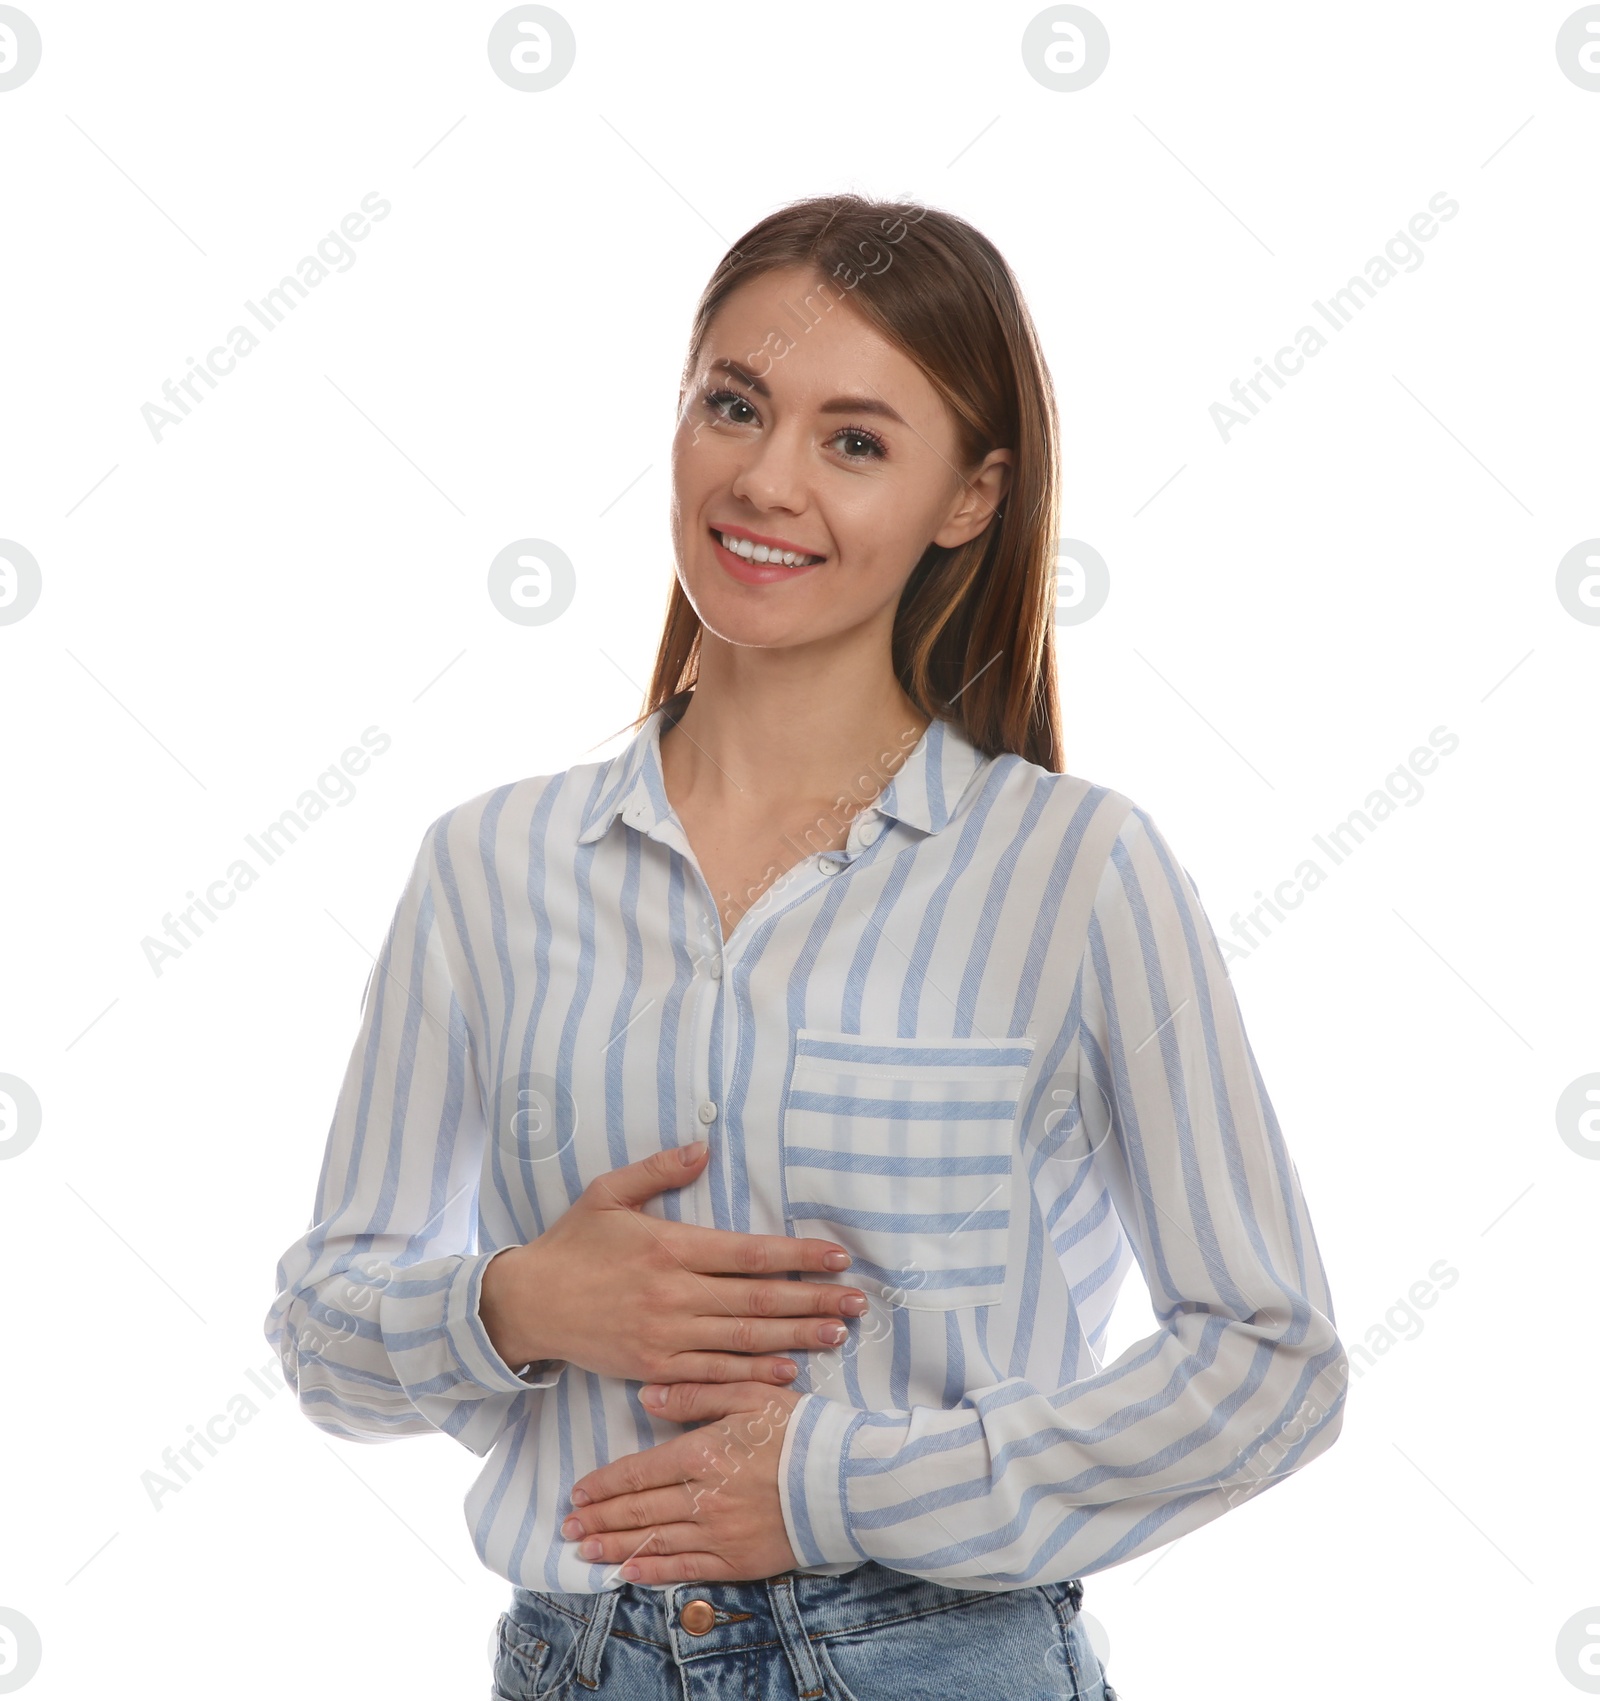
x: 772, y: 474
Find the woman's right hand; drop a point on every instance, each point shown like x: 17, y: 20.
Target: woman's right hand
x: 615, y: 1290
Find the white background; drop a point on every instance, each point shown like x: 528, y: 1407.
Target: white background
x: 224, y: 611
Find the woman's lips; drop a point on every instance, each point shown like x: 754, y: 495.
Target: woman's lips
x: 756, y: 572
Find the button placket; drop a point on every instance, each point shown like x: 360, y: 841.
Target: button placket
x: 707, y: 1005
x: 702, y: 1012
x: 713, y: 1011
x: 790, y: 888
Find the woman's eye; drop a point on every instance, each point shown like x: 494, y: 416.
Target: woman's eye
x: 724, y: 401
x: 863, y: 445
x: 855, y: 442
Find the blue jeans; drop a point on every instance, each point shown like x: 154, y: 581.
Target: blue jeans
x: 870, y: 1635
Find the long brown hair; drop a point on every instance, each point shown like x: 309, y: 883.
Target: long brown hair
x: 974, y: 634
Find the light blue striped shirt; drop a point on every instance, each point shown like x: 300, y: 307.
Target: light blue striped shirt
x: 988, y: 1045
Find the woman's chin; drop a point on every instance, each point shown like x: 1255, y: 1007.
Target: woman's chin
x: 751, y: 615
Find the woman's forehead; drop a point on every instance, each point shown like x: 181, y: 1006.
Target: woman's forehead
x: 796, y: 334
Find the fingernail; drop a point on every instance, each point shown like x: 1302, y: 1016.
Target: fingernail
x: 692, y: 1153
x: 579, y: 1498
x: 786, y: 1367
x: 571, y: 1529
x: 836, y: 1260
x: 654, y: 1395
x: 833, y: 1333
x: 631, y: 1572
x: 589, y: 1549
x: 854, y: 1305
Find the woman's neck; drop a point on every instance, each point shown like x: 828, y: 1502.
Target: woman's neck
x: 761, y: 744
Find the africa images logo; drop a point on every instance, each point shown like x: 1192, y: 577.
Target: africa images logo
x: 1401, y: 253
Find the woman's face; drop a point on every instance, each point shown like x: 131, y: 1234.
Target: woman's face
x: 824, y: 440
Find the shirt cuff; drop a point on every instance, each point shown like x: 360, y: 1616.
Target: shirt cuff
x: 428, y: 1316
x: 816, y: 1514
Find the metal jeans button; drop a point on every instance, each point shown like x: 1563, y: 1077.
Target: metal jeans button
x: 697, y: 1617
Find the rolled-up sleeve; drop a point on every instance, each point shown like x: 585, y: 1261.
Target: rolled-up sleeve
x: 376, y: 1316
x: 1242, y: 1383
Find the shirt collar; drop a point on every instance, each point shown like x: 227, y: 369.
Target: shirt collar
x: 924, y: 792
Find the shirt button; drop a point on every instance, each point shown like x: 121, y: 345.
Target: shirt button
x: 708, y: 1111
x: 715, y: 970
x: 827, y: 865
x: 869, y: 832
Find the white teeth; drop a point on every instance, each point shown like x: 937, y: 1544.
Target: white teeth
x: 760, y: 552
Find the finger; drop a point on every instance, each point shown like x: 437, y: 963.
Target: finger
x: 656, y: 1467
x: 678, y: 1568
x: 703, y: 1402
x: 736, y: 1297
x: 622, y: 1546
x: 727, y: 1367
x: 758, y: 1335
x: 629, y: 1186
x: 637, y: 1512
x: 727, y: 1252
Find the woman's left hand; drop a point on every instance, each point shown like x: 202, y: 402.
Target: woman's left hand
x: 702, y: 1507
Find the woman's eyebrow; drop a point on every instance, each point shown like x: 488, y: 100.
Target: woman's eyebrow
x: 861, y: 404
x: 745, y: 377
x: 838, y: 404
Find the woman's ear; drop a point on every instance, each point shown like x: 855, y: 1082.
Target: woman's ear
x: 977, y: 502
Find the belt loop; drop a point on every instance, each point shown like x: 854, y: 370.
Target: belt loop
x: 592, y: 1638
x: 796, y: 1644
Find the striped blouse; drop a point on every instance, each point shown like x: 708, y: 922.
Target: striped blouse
x: 988, y: 1045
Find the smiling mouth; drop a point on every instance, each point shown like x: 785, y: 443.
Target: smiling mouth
x: 761, y: 554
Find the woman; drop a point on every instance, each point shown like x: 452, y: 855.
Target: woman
x: 829, y: 1008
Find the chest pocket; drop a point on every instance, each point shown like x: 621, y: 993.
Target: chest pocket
x: 901, y: 1150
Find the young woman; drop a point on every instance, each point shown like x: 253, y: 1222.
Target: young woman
x: 746, y: 1136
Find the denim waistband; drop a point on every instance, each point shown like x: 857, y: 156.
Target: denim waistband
x: 790, y: 1609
